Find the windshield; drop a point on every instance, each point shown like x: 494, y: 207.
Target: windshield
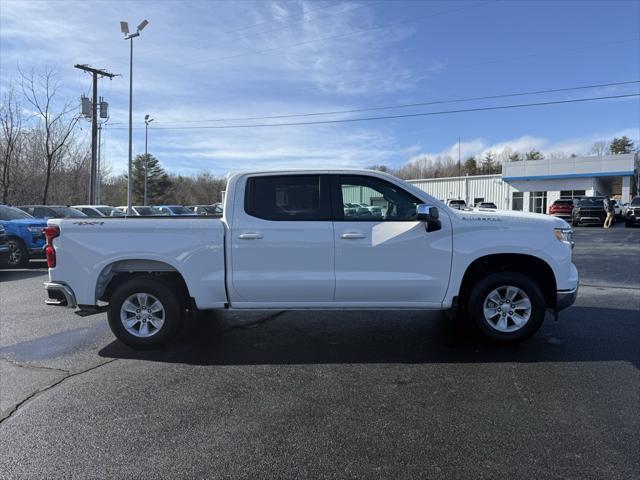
x: 110, y: 212
x: 145, y: 211
x: 636, y: 202
x: 591, y: 202
x: 181, y: 210
x: 209, y: 209
x: 563, y: 202
x: 68, y: 212
x: 10, y: 213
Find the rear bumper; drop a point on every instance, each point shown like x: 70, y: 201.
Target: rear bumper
x: 565, y: 298
x: 60, y: 294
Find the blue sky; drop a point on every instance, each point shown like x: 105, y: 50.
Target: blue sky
x: 200, y: 60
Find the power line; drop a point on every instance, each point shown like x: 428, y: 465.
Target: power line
x: 342, y: 35
x: 407, y: 115
x: 409, y: 105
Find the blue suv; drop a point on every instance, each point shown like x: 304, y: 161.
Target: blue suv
x: 24, y: 236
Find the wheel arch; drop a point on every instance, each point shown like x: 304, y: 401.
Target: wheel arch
x: 120, y: 271
x: 534, y: 267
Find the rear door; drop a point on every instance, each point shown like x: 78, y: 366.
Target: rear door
x: 281, y: 240
x: 386, y: 257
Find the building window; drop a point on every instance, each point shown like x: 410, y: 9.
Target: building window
x: 517, y: 201
x: 538, y: 202
x: 572, y: 193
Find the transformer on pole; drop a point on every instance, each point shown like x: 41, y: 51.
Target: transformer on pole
x: 92, y: 113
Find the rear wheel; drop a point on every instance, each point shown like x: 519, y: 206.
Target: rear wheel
x: 507, y: 306
x: 18, y: 255
x: 144, y: 313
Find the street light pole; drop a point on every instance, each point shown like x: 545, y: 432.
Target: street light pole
x: 124, y: 27
x: 147, y: 121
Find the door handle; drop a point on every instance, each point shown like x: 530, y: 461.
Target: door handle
x: 250, y: 236
x: 352, y: 235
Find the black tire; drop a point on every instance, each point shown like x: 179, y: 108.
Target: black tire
x: 628, y: 224
x: 173, y: 313
x: 475, y: 305
x: 18, y: 254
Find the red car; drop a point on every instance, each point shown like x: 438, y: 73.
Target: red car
x: 562, y: 208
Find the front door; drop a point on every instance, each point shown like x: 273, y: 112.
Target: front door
x: 384, y: 256
x: 282, y: 243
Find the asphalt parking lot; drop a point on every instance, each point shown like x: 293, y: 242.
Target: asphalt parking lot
x: 329, y: 395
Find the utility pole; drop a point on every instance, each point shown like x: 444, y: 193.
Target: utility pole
x: 96, y: 74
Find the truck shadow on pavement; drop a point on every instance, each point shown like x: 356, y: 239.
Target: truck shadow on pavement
x: 293, y: 338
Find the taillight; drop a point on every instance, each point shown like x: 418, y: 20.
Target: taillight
x: 50, y: 233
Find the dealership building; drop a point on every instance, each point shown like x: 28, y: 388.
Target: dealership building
x: 533, y: 185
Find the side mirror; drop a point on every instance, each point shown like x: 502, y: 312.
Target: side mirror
x: 430, y: 215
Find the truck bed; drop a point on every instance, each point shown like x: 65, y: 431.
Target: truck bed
x: 89, y: 252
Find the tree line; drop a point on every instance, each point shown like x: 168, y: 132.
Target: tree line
x: 489, y: 163
x: 45, y: 155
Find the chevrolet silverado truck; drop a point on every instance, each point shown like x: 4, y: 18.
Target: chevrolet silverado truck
x: 285, y: 243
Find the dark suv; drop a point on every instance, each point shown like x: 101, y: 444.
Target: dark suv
x: 588, y: 210
x: 632, y: 215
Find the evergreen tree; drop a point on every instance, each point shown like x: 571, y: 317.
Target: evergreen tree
x: 488, y: 163
x: 621, y: 145
x: 158, y: 182
x: 470, y: 166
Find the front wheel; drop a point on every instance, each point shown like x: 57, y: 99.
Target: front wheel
x: 507, y: 306
x: 144, y: 313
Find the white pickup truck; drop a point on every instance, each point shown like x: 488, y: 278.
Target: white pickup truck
x: 286, y: 241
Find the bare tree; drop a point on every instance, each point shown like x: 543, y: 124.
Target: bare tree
x: 599, y: 148
x: 57, y: 123
x: 11, y: 117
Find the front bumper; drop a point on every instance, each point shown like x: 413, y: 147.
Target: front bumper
x: 37, y: 252
x: 565, y: 298
x: 60, y: 294
x: 5, y: 251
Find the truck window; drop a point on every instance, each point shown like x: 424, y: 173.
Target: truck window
x: 287, y: 198
x: 371, y: 199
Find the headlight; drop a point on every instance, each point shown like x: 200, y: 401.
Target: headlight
x: 35, y: 230
x: 564, y: 235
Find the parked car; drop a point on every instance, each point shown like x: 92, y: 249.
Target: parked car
x: 562, y: 208
x: 489, y: 205
x: 215, y: 209
x: 285, y: 245
x: 24, y: 235
x: 588, y: 210
x: 632, y: 214
x: 99, y: 210
x: 174, y: 210
x: 141, y: 210
x: 457, y: 204
x: 52, y: 211
x: 5, y: 250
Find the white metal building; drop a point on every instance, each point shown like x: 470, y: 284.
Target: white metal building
x: 533, y: 185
